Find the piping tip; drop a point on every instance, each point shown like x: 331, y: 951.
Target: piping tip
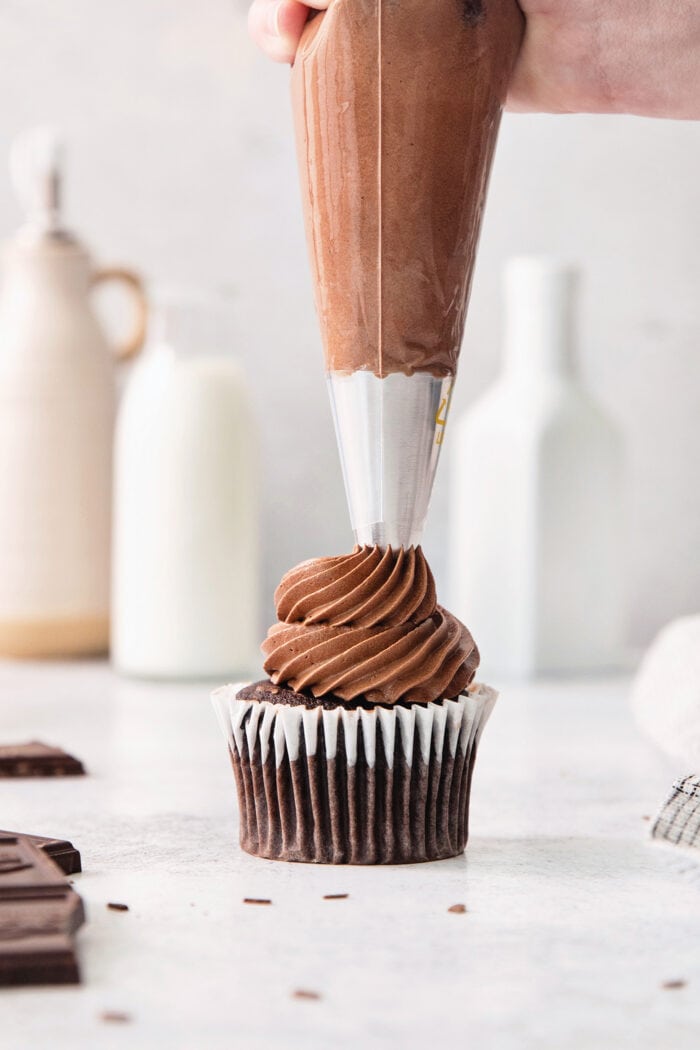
x: 390, y: 433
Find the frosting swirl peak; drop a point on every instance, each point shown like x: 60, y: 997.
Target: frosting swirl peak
x: 366, y: 588
x: 368, y: 624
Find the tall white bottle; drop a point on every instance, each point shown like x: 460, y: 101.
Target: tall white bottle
x: 185, y: 559
x: 536, y: 529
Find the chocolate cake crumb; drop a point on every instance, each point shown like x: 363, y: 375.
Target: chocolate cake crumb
x: 303, y: 993
x: 115, y: 906
x: 673, y: 985
x: 335, y: 896
x: 256, y: 900
x: 115, y: 1016
x: 457, y: 909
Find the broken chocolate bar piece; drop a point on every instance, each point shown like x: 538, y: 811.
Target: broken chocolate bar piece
x: 39, y: 915
x: 38, y: 760
x: 61, y: 851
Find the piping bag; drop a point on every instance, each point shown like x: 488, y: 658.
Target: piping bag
x: 397, y: 105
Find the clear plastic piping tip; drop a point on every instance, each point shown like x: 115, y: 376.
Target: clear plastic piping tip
x: 390, y: 433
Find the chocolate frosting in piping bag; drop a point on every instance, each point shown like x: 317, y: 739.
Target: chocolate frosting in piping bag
x: 397, y: 105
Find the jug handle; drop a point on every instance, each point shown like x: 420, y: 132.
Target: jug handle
x: 130, y: 346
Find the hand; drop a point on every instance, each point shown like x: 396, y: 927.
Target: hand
x: 609, y: 56
x: 276, y: 25
x: 578, y: 56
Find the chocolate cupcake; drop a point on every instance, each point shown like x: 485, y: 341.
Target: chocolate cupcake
x: 360, y: 747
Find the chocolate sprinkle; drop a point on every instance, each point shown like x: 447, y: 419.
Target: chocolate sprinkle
x: 303, y: 993
x: 114, y: 1016
x: 457, y: 909
x: 256, y: 900
x: 335, y: 896
x: 673, y: 985
x: 114, y: 906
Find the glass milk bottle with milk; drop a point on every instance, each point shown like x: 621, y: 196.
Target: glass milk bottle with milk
x: 185, y: 559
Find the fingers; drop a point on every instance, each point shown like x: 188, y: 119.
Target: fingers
x: 276, y: 25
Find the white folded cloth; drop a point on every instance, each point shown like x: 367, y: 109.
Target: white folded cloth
x: 665, y: 695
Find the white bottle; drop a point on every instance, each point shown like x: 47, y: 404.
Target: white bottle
x: 537, y: 497
x: 185, y: 562
x: 57, y: 392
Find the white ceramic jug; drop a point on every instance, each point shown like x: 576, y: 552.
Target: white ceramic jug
x: 57, y: 402
x: 536, y: 525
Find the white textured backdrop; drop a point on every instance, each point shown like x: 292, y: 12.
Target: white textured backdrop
x: 182, y: 164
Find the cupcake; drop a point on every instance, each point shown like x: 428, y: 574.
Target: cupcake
x: 359, y: 748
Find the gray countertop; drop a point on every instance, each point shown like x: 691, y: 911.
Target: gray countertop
x: 574, y: 920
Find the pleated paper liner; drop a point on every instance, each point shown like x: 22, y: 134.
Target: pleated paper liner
x: 388, y: 785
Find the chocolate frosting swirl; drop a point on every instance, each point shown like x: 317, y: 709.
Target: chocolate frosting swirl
x: 368, y: 624
x: 366, y: 588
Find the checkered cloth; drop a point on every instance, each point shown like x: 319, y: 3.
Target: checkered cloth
x: 678, y: 823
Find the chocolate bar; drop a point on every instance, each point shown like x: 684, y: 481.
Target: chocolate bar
x: 39, y: 915
x: 61, y: 852
x: 38, y: 760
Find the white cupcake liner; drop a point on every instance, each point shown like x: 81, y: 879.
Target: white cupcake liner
x: 384, y: 785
